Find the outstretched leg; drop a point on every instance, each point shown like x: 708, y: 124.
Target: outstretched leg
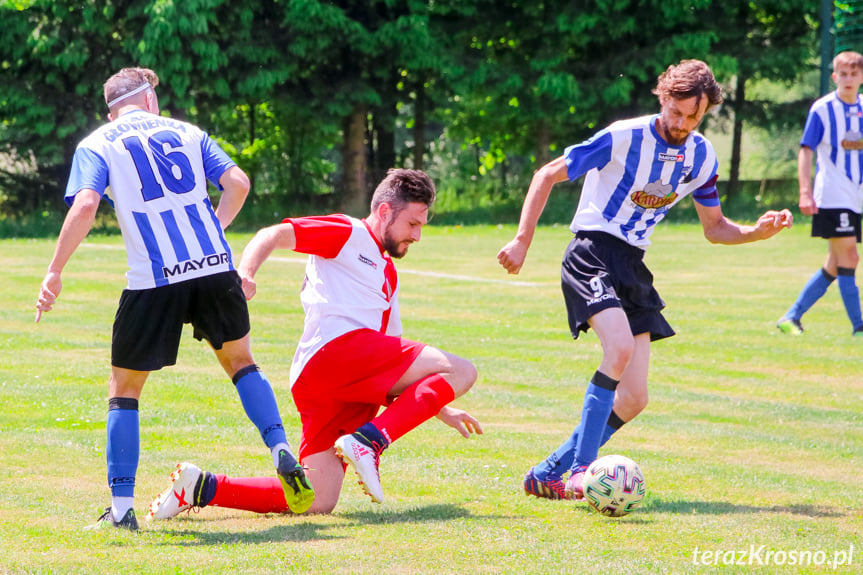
x: 843, y: 254
x: 432, y: 381
x: 620, y: 382
x: 259, y: 403
x: 124, y: 446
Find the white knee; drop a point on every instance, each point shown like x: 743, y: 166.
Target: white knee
x: 629, y: 404
x: 462, y: 375
x: 616, y: 355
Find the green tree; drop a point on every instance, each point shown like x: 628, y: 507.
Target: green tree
x: 316, y: 98
x: 370, y: 58
x: 228, y: 70
x: 761, y: 40
x: 54, y: 57
x: 540, y: 75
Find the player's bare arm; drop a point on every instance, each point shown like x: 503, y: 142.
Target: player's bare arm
x: 279, y: 236
x: 235, y: 185
x: 512, y: 255
x: 76, y: 226
x: 460, y: 420
x: 720, y: 230
x: 804, y: 178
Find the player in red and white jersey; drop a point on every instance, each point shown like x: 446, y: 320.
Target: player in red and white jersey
x: 351, y: 359
x: 350, y: 284
x: 180, y: 271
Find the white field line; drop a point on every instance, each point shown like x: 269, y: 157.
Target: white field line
x: 401, y: 270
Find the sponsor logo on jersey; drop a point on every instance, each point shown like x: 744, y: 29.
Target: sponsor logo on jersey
x: 686, y: 174
x: 655, y: 195
x: 670, y: 157
x: 367, y: 261
x: 120, y: 127
x: 603, y: 297
x: 195, y: 265
x: 853, y: 140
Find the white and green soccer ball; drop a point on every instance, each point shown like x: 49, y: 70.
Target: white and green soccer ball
x: 614, y: 485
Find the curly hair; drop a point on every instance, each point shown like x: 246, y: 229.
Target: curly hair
x: 401, y: 187
x: 687, y: 79
x: 127, y: 80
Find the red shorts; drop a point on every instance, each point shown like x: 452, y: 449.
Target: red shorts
x: 346, y: 382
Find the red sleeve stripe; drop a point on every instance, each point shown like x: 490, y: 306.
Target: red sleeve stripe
x: 323, y: 236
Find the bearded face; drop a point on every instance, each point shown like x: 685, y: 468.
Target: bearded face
x: 396, y: 248
x: 680, y: 117
x: 403, y: 228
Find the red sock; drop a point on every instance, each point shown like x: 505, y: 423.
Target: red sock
x: 418, y: 403
x: 258, y: 494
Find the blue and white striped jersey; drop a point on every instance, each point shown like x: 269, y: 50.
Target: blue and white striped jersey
x: 834, y: 130
x: 634, y: 177
x: 154, y: 171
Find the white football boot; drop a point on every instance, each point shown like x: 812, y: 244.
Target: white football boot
x: 180, y: 496
x: 365, y: 461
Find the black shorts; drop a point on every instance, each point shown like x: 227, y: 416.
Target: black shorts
x: 148, y: 323
x: 836, y: 223
x: 601, y: 271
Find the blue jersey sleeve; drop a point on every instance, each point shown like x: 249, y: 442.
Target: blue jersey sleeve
x: 707, y: 195
x: 216, y: 161
x: 813, y: 132
x: 89, y: 171
x: 593, y: 153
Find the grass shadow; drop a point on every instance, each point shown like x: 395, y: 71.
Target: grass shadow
x: 298, y: 532
x: 428, y: 513
x: 308, y: 530
x: 657, y: 505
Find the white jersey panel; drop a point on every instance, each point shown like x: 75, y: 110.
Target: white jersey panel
x: 633, y: 177
x: 834, y: 130
x: 356, y: 289
x: 157, y: 170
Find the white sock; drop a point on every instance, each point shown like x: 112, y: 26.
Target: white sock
x: 120, y: 505
x: 278, y: 447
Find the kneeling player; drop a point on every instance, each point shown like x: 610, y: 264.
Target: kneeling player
x: 351, y: 359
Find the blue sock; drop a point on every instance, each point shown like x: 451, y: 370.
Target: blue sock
x: 370, y: 435
x: 258, y: 400
x: 124, y: 445
x: 850, y: 295
x: 812, y: 292
x: 598, y: 403
x: 207, y: 490
x: 561, y: 459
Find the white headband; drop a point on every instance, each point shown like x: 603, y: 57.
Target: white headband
x: 137, y: 90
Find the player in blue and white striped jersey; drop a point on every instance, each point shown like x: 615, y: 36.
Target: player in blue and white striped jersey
x: 154, y: 171
x: 159, y: 168
x: 834, y: 130
x: 635, y: 171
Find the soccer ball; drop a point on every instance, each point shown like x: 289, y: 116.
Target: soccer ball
x: 614, y: 485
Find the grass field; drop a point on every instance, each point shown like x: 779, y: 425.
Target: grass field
x: 753, y: 441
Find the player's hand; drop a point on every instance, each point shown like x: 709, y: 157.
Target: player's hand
x: 250, y: 287
x: 773, y: 222
x: 807, y: 204
x: 511, y: 256
x: 460, y: 420
x: 48, y: 292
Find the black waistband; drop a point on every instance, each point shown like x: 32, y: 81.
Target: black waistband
x: 605, y: 240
